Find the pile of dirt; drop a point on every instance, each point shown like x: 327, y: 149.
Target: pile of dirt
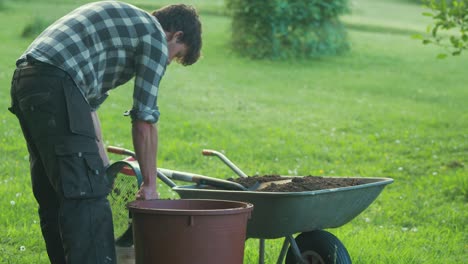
x: 297, y: 184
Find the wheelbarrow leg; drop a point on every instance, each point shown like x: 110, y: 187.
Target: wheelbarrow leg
x: 284, y: 251
x: 261, y: 251
x: 295, y: 250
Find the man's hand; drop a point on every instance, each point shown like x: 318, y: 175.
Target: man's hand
x: 147, y: 192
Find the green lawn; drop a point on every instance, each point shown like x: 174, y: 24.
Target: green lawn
x: 388, y: 108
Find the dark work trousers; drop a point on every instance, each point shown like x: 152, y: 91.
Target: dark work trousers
x: 67, y: 173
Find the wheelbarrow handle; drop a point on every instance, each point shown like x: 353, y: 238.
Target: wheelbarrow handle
x: 200, y: 179
x: 208, y: 152
x: 121, y: 151
x: 230, y: 164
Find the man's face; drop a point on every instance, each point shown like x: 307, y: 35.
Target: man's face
x: 177, y: 49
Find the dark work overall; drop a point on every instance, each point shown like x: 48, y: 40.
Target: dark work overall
x: 67, y: 173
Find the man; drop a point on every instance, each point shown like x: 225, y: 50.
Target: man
x: 60, y: 80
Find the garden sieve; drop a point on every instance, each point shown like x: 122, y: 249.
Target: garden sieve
x: 125, y: 178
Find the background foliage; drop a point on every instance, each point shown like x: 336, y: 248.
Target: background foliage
x: 288, y: 28
x: 386, y: 108
x: 450, y: 25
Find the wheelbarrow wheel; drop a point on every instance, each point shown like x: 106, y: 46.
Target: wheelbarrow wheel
x: 319, y: 247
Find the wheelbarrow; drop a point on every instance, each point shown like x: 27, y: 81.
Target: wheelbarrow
x: 285, y: 214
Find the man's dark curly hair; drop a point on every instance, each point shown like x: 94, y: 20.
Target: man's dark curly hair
x: 183, y: 18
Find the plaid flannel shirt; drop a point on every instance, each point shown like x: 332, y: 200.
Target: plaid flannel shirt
x: 103, y: 45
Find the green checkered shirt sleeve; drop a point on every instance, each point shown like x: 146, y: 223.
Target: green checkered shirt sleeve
x: 150, y: 64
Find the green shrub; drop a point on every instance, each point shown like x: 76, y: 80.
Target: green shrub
x: 413, y: 1
x: 35, y: 27
x: 450, y: 30
x: 288, y: 28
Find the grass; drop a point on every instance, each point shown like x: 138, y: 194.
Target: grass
x: 388, y: 108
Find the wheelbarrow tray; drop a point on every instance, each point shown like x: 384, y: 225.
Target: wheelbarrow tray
x: 278, y: 214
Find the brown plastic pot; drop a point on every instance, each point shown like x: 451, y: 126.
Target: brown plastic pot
x: 189, y: 231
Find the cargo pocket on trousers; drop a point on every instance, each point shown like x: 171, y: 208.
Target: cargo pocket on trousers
x: 39, y: 113
x: 82, y: 173
x: 79, y: 112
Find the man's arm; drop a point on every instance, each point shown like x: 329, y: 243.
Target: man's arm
x: 145, y: 143
x: 97, y: 130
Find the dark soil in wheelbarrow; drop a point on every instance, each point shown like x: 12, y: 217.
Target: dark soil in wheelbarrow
x: 297, y: 184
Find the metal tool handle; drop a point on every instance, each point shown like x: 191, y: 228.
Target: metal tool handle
x: 121, y: 151
x: 200, y: 179
x: 230, y: 164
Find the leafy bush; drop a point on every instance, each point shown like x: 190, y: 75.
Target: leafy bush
x: 35, y: 27
x: 413, y: 1
x: 288, y: 28
x: 451, y: 26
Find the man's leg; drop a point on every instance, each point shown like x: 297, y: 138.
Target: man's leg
x: 68, y: 174
x: 86, y: 226
x: 43, y: 190
x: 84, y: 214
x: 48, y: 210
